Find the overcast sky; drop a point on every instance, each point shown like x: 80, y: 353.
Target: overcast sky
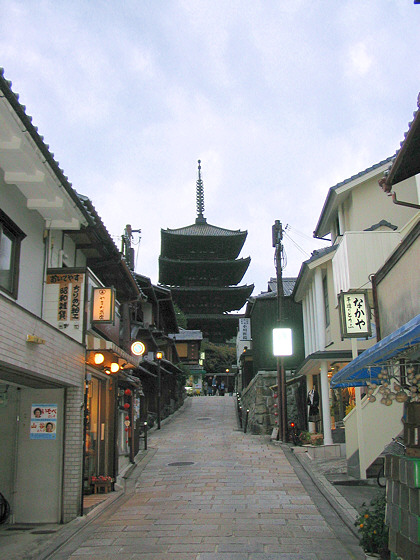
x: 280, y: 99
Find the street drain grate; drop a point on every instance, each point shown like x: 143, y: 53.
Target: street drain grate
x: 43, y: 532
x: 181, y: 464
x: 204, y: 418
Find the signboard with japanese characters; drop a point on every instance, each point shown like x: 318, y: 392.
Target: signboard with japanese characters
x: 64, y: 301
x: 354, y: 314
x: 103, y: 305
x: 43, y: 421
x: 244, y: 329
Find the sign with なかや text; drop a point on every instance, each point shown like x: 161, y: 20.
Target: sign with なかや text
x: 354, y: 314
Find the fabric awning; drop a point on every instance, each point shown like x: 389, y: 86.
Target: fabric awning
x: 368, y: 365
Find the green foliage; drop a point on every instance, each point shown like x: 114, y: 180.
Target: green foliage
x: 305, y: 437
x: 372, y: 529
x: 219, y: 357
x: 180, y: 317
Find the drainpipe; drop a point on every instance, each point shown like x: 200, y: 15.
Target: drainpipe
x: 401, y: 203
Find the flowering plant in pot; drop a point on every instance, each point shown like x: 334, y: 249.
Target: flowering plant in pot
x: 372, y: 529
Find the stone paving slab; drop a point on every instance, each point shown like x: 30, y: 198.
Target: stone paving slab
x: 205, y: 491
x: 210, y: 492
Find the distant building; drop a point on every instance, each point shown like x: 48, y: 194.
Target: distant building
x: 262, y: 311
x: 200, y: 265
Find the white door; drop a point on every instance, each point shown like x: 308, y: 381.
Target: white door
x: 38, y: 487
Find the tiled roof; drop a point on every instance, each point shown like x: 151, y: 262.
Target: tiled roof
x: 288, y: 285
x: 204, y: 229
x: 320, y: 229
x: 362, y: 173
x: 187, y: 335
x: 406, y: 162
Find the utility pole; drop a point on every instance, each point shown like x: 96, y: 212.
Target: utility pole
x: 128, y: 254
x: 277, y: 234
x: 126, y: 249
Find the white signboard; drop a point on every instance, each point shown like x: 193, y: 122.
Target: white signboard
x: 354, y: 314
x: 64, y: 302
x: 244, y: 329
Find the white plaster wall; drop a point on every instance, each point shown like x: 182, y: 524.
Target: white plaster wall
x: 368, y: 205
x: 32, y: 253
x: 380, y: 424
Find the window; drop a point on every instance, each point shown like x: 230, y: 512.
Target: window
x: 10, y: 240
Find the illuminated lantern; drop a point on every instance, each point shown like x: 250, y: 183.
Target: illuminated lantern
x: 114, y: 367
x: 126, y: 429
x: 126, y: 406
x: 127, y: 392
x: 127, y: 418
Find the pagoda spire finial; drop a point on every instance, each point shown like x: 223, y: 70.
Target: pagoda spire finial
x: 200, y: 197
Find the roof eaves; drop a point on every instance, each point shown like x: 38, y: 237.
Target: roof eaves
x: 333, y: 192
x: 394, y: 175
x: 20, y: 110
x: 306, y: 267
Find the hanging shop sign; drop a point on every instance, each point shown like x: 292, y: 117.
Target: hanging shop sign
x: 43, y: 421
x: 244, y: 329
x: 354, y: 314
x: 103, y: 305
x: 64, y: 301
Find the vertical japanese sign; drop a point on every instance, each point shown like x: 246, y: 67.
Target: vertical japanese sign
x: 244, y: 329
x: 65, y: 301
x: 43, y: 421
x: 354, y: 314
x: 103, y: 305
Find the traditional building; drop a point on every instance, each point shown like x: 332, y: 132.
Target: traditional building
x: 200, y: 264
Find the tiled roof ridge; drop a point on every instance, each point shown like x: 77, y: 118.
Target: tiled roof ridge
x: 364, y: 172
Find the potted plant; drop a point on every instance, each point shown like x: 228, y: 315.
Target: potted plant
x: 372, y: 529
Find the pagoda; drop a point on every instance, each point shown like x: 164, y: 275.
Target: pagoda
x: 200, y: 265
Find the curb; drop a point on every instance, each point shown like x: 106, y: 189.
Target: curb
x: 341, y: 506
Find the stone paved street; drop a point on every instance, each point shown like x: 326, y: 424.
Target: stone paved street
x: 206, y: 491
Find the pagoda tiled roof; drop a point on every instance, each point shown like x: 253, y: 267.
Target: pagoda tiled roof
x: 205, y: 230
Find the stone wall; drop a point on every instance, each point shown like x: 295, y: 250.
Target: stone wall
x: 258, y: 399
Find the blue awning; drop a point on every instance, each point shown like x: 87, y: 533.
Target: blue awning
x: 368, y: 365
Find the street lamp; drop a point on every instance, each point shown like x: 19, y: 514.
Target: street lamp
x: 159, y: 356
x: 282, y: 346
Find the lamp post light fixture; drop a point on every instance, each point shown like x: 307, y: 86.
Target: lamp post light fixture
x: 282, y: 342
x: 282, y: 346
x: 159, y: 356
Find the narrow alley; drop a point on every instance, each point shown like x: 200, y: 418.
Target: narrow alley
x: 207, y: 491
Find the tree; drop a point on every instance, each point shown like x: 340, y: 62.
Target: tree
x: 219, y: 357
x: 180, y: 317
